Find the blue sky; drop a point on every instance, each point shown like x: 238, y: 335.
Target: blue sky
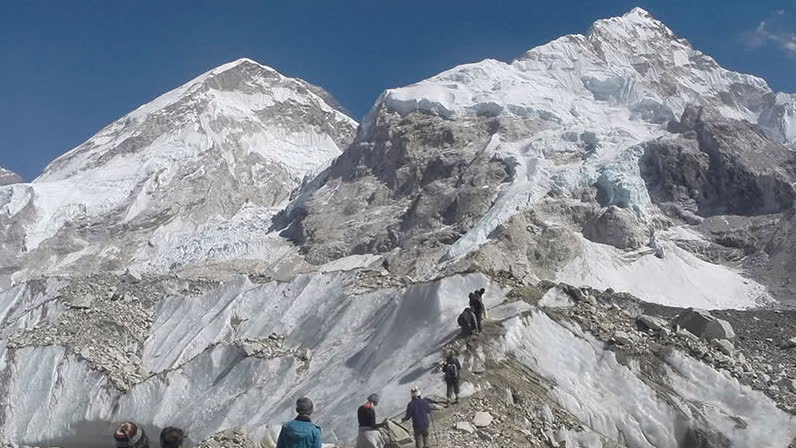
x: 68, y: 68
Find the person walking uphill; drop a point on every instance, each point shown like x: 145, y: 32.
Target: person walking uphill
x: 369, y: 434
x: 477, y: 305
x: 452, y: 368
x: 419, y: 410
x: 301, y: 432
x: 467, y: 322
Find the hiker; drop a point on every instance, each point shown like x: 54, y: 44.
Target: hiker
x: 467, y: 322
x: 369, y: 434
x: 419, y: 410
x: 480, y: 294
x: 477, y: 305
x: 130, y: 435
x: 451, y: 368
x: 300, y: 432
x: 171, y: 437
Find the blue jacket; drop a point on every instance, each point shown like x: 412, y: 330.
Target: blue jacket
x: 418, y: 410
x: 299, y: 433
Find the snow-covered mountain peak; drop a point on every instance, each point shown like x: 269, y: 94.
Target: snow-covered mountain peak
x: 241, y: 135
x: 634, y: 62
x: 637, y: 22
x: 240, y: 90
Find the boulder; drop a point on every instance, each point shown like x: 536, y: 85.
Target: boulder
x: 724, y: 346
x: 486, y: 437
x: 397, y: 434
x: 617, y: 227
x: 644, y: 322
x: 790, y: 343
x: 465, y: 427
x: 704, y: 325
x: 482, y: 419
x: 622, y: 338
x: 82, y: 301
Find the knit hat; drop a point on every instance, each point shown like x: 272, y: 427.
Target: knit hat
x: 304, y: 406
x: 171, y: 437
x: 415, y: 392
x: 130, y: 435
x: 374, y: 398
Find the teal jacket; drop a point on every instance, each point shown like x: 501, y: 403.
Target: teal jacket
x: 299, y: 433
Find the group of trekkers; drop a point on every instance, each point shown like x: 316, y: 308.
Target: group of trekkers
x: 301, y: 432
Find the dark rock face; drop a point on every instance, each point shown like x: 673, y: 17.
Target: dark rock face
x: 719, y: 166
x: 418, y: 181
x: 8, y: 177
x: 765, y: 246
x: 618, y: 227
x: 737, y: 186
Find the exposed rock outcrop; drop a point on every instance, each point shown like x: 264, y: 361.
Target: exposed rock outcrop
x: 418, y: 181
x: 618, y: 227
x: 8, y: 177
x: 719, y: 166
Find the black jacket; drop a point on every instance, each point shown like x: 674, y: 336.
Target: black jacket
x: 366, y: 415
x: 476, y: 304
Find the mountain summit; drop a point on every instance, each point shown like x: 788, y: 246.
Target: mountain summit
x: 235, y: 244
x: 552, y: 142
x: 239, y: 136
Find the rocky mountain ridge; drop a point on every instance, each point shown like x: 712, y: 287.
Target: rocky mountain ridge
x: 241, y: 243
x: 151, y: 190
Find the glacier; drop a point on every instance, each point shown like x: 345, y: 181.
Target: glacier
x: 245, y: 206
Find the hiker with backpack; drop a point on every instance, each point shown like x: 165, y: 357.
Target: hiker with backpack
x: 300, y: 432
x: 419, y: 410
x: 467, y: 322
x: 477, y: 305
x: 369, y: 435
x: 451, y: 367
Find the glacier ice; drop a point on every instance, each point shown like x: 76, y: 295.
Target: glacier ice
x: 612, y: 399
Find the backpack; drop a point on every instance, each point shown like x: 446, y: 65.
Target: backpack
x: 463, y: 321
x: 451, y: 370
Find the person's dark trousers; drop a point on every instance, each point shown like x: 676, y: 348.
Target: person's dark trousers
x: 421, y: 438
x: 478, y: 317
x: 452, y: 389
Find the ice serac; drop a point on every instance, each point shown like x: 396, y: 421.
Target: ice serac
x: 8, y: 177
x: 237, y: 138
x: 778, y: 118
x: 446, y: 169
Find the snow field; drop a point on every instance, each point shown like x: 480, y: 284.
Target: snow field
x: 612, y: 399
x: 386, y: 342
